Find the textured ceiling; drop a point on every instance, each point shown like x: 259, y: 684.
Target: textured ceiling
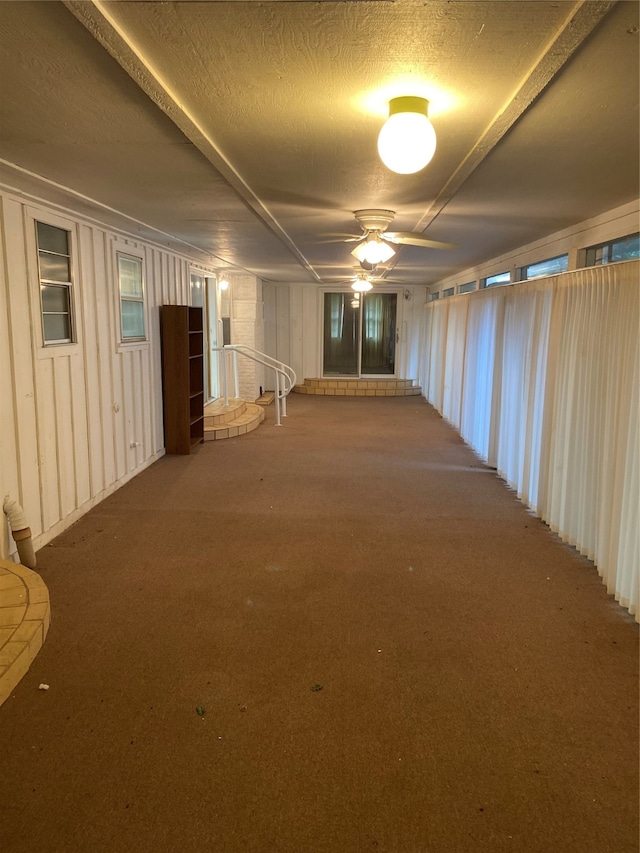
x: 247, y: 130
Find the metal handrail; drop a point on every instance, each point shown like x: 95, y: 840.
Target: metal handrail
x: 286, y: 369
x: 285, y: 377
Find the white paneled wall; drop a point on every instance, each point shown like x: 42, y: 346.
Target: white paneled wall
x: 76, y: 420
x: 294, y: 327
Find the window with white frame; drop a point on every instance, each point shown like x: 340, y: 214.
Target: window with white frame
x: 131, y: 285
x: 467, y: 288
x: 551, y: 266
x: 433, y: 296
x: 56, y: 284
x: 448, y: 291
x: 498, y: 278
x: 621, y: 249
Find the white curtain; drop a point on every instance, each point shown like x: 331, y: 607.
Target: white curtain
x: 454, y: 361
x: 432, y: 372
x: 541, y: 379
x: 484, y: 313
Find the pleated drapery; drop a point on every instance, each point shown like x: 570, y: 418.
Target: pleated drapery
x: 541, y: 379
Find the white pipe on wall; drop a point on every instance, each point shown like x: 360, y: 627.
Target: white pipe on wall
x: 20, y: 531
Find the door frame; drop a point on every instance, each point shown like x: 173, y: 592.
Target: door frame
x: 211, y: 312
x: 380, y: 288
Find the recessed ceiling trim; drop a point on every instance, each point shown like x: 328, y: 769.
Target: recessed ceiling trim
x: 96, y: 18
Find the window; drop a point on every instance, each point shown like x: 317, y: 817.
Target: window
x: 499, y: 278
x: 132, y: 325
x: 552, y: 266
x: 434, y: 296
x: 54, y: 272
x: 449, y: 291
x: 467, y: 288
x: 622, y: 249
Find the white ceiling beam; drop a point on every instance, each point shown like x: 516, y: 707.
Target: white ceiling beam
x: 583, y: 18
x: 95, y: 16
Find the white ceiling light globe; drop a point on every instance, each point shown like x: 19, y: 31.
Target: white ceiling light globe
x: 373, y: 251
x: 376, y: 251
x: 407, y: 140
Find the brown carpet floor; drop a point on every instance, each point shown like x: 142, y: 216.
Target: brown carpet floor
x: 338, y: 636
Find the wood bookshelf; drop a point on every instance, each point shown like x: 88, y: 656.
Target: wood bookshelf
x: 182, y: 377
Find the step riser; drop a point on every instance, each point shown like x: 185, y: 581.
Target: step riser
x: 367, y: 384
x: 359, y: 388
x: 248, y: 421
x: 224, y: 414
x: 355, y: 392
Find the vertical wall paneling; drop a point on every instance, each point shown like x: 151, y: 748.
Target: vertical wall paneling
x: 120, y: 417
x: 80, y: 422
x: 269, y: 296
x: 143, y: 430
x: 47, y: 445
x: 70, y: 413
x: 295, y: 306
x: 156, y: 296
x: 64, y: 435
x: 23, y: 391
x: 283, y: 324
x: 103, y: 346
x: 117, y: 378
x: 127, y: 364
x: 9, y: 479
x: 311, y: 333
x: 93, y: 412
x: 149, y: 445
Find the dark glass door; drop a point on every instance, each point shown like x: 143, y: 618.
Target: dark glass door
x: 359, y: 334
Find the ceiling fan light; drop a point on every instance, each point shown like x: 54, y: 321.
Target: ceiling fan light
x: 407, y: 140
x: 373, y: 251
x: 361, y: 285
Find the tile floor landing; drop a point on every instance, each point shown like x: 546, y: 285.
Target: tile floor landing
x: 359, y: 388
x: 25, y: 614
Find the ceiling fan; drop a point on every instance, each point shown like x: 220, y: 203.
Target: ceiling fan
x: 362, y: 281
x: 375, y: 244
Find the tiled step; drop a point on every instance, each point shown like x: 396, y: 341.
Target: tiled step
x: 359, y: 388
x: 24, y: 621
x: 238, y: 418
x: 266, y: 399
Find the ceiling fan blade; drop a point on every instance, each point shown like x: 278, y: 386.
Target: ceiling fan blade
x: 414, y: 238
x: 340, y: 238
